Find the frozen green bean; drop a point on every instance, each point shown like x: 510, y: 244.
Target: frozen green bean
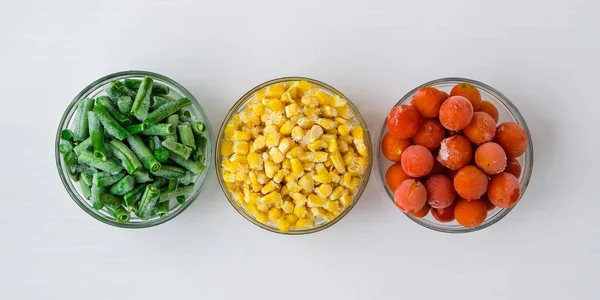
x: 180, y: 200
x: 97, y: 136
x: 181, y: 191
x: 187, y: 179
x: 195, y: 167
x: 157, y: 88
x: 109, y: 165
x: 148, y: 202
x: 199, y: 127
x: 87, y: 175
x: 200, y: 152
x: 134, y: 195
x: 172, y: 185
x: 83, y: 146
x: 158, y: 101
x: 186, y: 135
x: 81, y: 131
x: 110, y: 124
x: 96, y: 204
x: 123, y: 186
x: 124, y: 89
x: 67, y: 135
x: 115, y: 113
x: 160, y: 182
x: 141, y: 104
x: 86, y: 190
x: 166, y: 110
x: 177, y: 148
x: 109, y: 200
x: 143, y: 153
x: 102, y: 179
x: 121, y: 214
x: 173, y: 120
x: 64, y: 146
x: 135, y: 128
x: 128, y: 159
x: 124, y: 103
x: 162, y: 209
x: 162, y: 129
x: 169, y: 172
x: 142, y: 176
x: 161, y: 154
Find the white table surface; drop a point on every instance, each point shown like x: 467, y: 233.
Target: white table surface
x: 541, y: 54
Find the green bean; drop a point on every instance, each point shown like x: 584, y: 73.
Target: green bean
x: 141, y: 104
x: 64, y: 146
x: 128, y: 159
x: 182, y: 191
x: 110, y: 166
x: 66, y: 134
x: 70, y: 159
x: 121, y: 214
x: 158, y: 101
x: 157, y: 88
x: 200, y: 152
x: 166, y: 110
x: 135, y: 128
x: 160, y: 182
x: 123, y: 186
x: 199, y: 127
x: 169, y: 172
x: 173, y: 120
x: 161, y: 129
x: 124, y: 103
x: 186, y: 113
x: 187, y: 179
x: 162, y: 209
x: 142, y: 176
x: 97, y: 136
x: 143, y: 153
x: 186, y: 135
x: 114, y: 92
x: 110, y: 124
x: 161, y: 154
x: 180, y: 200
x: 81, y: 131
x: 102, y: 179
x: 96, y: 204
x: 115, y: 113
x: 124, y: 89
x: 148, y: 202
x: 172, y: 185
x: 134, y: 195
x: 177, y: 148
x: 194, y: 166
x: 109, y: 200
x: 83, y: 146
x: 87, y: 175
x: 86, y: 191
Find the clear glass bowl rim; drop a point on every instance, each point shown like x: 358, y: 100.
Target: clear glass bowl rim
x: 235, y: 109
x: 75, y: 195
x: 527, y: 168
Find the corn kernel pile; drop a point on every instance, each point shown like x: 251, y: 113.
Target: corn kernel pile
x: 295, y: 156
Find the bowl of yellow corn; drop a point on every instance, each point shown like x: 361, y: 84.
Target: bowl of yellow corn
x: 293, y: 155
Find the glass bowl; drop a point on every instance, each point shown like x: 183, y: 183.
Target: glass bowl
x: 507, y: 112
x: 96, y: 89
x: 240, y: 105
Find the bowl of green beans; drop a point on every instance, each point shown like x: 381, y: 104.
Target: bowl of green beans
x: 133, y: 149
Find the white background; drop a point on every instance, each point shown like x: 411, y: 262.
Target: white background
x: 542, y: 54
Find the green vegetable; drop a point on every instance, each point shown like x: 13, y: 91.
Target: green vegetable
x: 182, y: 191
x: 158, y: 101
x: 87, y: 175
x: 162, y: 209
x: 102, y: 179
x: 177, y: 148
x: 134, y: 195
x: 121, y: 214
x: 83, y: 146
x: 141, y: 104
x: 148, y: 202
x: 97, y: 136
x: 136, y: 128
x: 110, y: 124
x: 143, y: 153
x: 116, y: 114
x: 160, y: 182
x: 194, y: 166
x: 85, y: 190
x: 169, y: 172
x: 172, y: 185
x: 81, y: 131
x: 124, y: 103
x: 67, y: 135
x: 142, y: 176
x: 186, y: 135
x: 181, y: 200
x: 64, y: 146
x: 109, y: 200
x: 157, y: 88
x: 200, y: 152
x: 128, y: 159
x: 161, y: 154
x: 123, y: 186
x: 71, y: 160
x: 173, y: 120
x: 96, y: 204
x: 199, y: 127
x: 166, y: 110
x: 161, y: 129
x: 108, y: 165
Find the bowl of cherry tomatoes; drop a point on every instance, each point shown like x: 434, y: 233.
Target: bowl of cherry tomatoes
x: 456, y: 155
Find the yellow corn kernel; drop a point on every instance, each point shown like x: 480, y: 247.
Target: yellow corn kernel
x: 271, y: 168
x: 310, y: 100
x: 233, y: 167
x: 331, y: 206
x: 293, y: 152
x: 308, y: 166
x: 287, y: 98
x: 315, y: 133
x: 251, y: 209
x: 279, y: 176
x: 229, y: 130
x: 284, y: 191
x: 252, y: 198
x: 358, y: 133
x: 322, y: 178
x: 342, y: 146
x: 252, y: 177
x: 305, y: 122
x: 260, y: 95
x: 287, y: 207
x: 269, y: 187
x: 329, y: 112
x: 337, y: 193
x: 321, y: 156
x: 363, y: 161
x: 256, y: 187
x: 303, y: 223
x: 338, y: 162
x: 283, y: 225
x: 343, y: 130
x: 230, y: 186
x: 315, y: 201
x: 348, y: 139
x: 274, y: 91
x: 291, y: 218
x: 332, y: 146
x: 324, y: 190
x: 255, y: 120
x: 275, y: 213
x: 322, y: 97
x: 284, y: 145
x: 337, y: 101
x: 273, y: 104
x: 306, y: 156
x: 239, y: 158
x: 302, y: 85
x: 346, y: 180
x: 307, y: 183
x: 286, y: 164
x: 286, y: 128
x: 261, y: 206
x: 312, y: 112
x: 297, y: 168
x: 300, y: 211
x: 289, y: 177
x: 335, y: 177
x: 345, y: 200
x: 355, y: 168
x: 327, y: 137
x: 297, y: 133
x: 241, y: 148
x: 320, y: 169
x: 241, y: 135
x: 227, y: 148
x: 228, y: 176
x: 262, y: 217
x: 327, y: 124
x: 238, y: 197
x: 328, y: 162
x: 258, y: 109
x: 317, y: 145
x: 293, y: 187
x: 276, y: 155
x: 340, y: 120
x: 261, y: 177
x: 271, y: 198
x: 240, y: 176
x: 354, y: 183
x: 254, y: 160
x: 272, y: 139
x: 349, y: 157
x: 361, y: 148
x: 259, y: 142
x: 298, y: 198
x: 291, y: 110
